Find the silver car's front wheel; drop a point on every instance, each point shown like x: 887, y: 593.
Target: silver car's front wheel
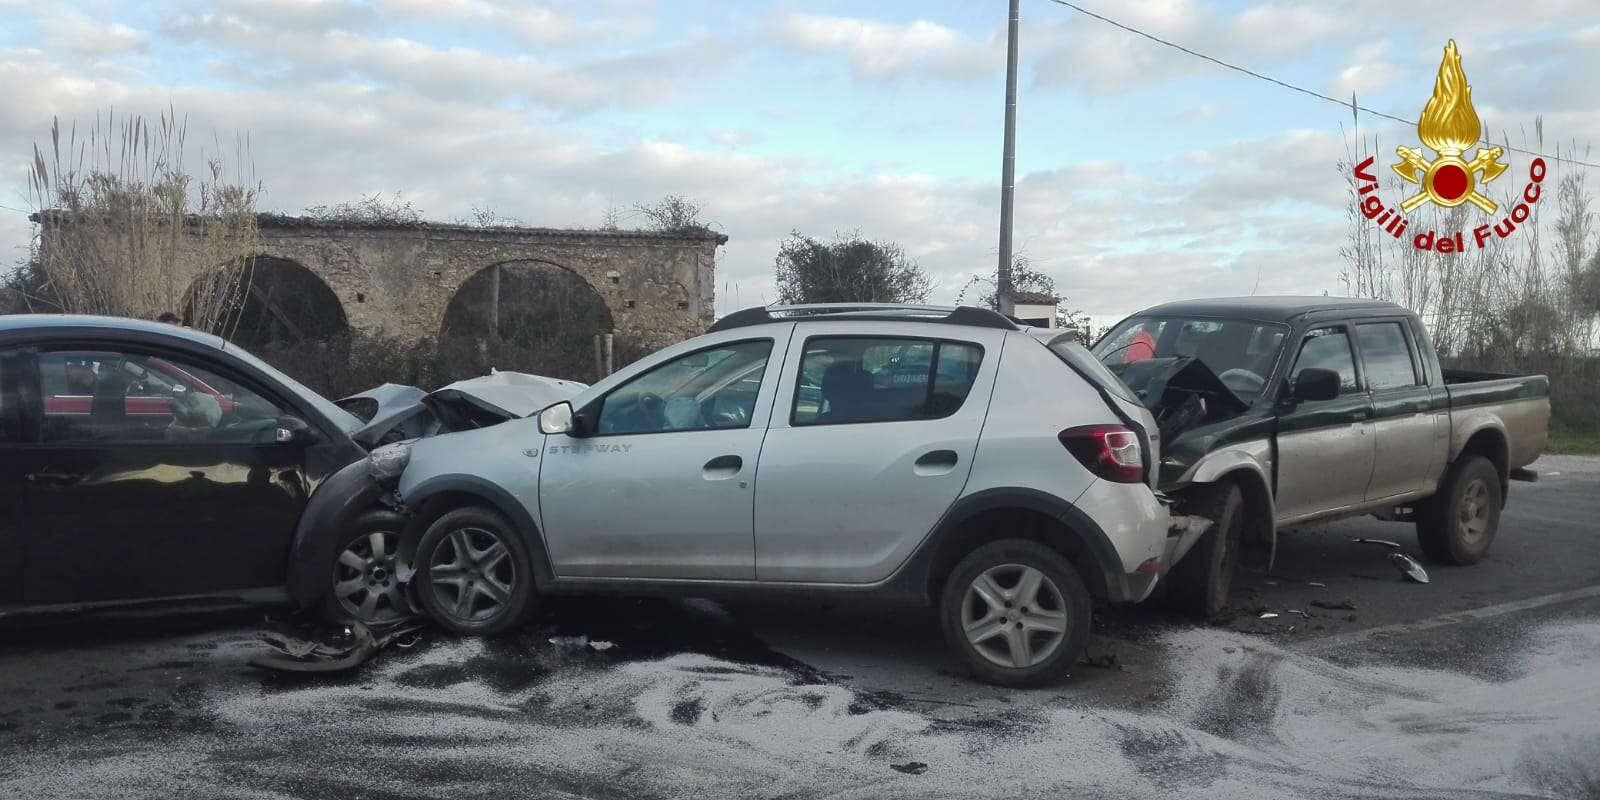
x: 474, y: 574
x: 1016, y: 611
x: 1014, y: 616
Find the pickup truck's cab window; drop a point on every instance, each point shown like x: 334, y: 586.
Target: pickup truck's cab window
x: 1328, y: 348
x: 881, y: 380
x: 713, y: 388
x: 1385, y: 356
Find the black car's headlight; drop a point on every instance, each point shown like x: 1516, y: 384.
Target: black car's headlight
x: 387, y: 462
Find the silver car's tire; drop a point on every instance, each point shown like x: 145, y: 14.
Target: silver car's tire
x: 473, y: 573
x: 1016, y: 612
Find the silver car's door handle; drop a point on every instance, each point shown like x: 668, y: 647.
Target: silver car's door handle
x: 722, y: 468
x: 936, y: 462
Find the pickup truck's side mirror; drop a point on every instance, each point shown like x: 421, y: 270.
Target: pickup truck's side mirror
x: 1315, y: 383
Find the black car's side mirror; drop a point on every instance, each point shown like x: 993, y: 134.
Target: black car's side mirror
x: 1315, y: 383
x: 294, y: 430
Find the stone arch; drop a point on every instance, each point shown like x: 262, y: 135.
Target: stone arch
x: 527, y: 315
x: 271, y: 302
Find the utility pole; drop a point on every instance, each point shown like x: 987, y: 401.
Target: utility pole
x: 1008, y: 163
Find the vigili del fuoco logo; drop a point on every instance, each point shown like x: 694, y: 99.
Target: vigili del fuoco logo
x: 1449, y: 127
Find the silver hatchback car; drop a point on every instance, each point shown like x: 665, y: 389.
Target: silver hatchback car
x: 941, y: 456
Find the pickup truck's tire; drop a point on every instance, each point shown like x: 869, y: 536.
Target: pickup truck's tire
x: 1200, y: 583
x: 1016, y: 612
x: 473, y: 573
x: 1457, y: 524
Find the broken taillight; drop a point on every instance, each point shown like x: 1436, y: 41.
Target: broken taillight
x: 1111, y: 452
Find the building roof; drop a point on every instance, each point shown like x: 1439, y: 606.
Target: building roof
x: 1033, y: 298
x: 273, y: 221
x: 1266, y: 309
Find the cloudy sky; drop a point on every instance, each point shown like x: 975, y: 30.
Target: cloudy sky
x: 1143, y: 174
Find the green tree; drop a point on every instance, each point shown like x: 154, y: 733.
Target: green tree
x: 849, y: 269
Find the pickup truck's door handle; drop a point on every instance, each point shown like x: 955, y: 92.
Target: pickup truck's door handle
x: 936, y: 462
x: 722, y: 468
x: 50, y: 477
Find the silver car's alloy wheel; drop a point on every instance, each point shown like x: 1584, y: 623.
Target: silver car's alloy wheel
x: 366, y: 580
x: 1014, y: 615
x: 471, y: 574
x: 1473, y: 513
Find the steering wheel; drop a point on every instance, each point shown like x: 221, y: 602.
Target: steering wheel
x: 1243, y: 381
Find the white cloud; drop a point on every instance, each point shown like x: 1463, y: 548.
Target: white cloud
x: 883, y: 51
x: 68, y: 31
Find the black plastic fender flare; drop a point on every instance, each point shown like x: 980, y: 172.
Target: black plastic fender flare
x: 491, y: 496
x: 336, y: 502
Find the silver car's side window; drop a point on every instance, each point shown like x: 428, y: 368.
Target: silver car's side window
x: 710, y: 389
x: 859, y: 379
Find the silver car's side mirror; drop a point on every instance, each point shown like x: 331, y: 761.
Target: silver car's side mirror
x: 556, y: 419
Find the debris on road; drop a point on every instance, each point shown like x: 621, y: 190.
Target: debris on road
x: 1341, y: 605
x: 910, y: 767
x: 1383, y: 542
x: 1267, y: 615
x: 1318, y: 584
x: 309, y: 649
x: 1297, y: 611
x: 1409, y: 567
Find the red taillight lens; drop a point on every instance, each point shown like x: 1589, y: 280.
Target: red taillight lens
x: 1111, y: 452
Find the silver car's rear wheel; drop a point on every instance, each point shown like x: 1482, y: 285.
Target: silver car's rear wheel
x: 1016, y: 611
x: 1014, y: 616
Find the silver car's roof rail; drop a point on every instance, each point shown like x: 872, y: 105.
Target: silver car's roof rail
x: 887, y: 312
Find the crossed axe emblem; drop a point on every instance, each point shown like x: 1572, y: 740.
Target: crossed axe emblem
x: 1448, y: 180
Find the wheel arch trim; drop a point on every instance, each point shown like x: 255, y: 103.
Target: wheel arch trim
x: 494, y: 497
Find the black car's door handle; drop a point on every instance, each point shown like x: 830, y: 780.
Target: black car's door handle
x: 722, y: 467
x: 53, y: 477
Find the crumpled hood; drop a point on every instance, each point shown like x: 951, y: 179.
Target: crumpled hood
x: 511, y: 394
x: 395, y: 411
x: 1151, y: 378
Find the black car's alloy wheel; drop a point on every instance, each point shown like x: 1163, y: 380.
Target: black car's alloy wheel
x: 368, y: 576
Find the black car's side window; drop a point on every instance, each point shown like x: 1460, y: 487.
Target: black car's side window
x: 10, y: 397
x: 1329, y: 348
x: 103, y: 396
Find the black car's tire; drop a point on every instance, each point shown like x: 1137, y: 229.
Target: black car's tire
x: 473, y: 574
x: 1001, y: 620
x: 1199, y: 584
x: 364, y: 578
x: 1457, y: 524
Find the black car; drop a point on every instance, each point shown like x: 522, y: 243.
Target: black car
x: 141, y: 460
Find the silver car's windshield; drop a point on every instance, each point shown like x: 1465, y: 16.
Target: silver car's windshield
x: 1242, y: 353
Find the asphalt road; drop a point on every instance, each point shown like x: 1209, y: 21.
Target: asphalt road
x: 1478, y: 684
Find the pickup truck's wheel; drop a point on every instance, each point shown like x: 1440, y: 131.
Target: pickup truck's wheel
x: 1457, y: 525
x: 365, y: 578
x: 1200, y: 583
x: 473, y: 573
x: 1016, y: 611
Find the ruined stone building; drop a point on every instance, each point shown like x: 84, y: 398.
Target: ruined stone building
x: 314, y: 279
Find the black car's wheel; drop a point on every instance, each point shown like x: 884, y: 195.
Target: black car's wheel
x: 1199, y: 584
x: 1016, y: 611
x: 367, y: 572
x: 1457, y: 525
x: 474, y: 576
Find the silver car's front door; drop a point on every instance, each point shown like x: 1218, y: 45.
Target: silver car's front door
x: 664, y: 486
x: 863, y: 457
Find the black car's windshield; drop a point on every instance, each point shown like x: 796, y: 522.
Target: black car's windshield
x: 1242, y: 353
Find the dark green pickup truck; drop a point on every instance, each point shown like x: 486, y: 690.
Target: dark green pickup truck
x: 1276, y: 411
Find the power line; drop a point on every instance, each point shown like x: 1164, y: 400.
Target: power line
x: 1285, y: 84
